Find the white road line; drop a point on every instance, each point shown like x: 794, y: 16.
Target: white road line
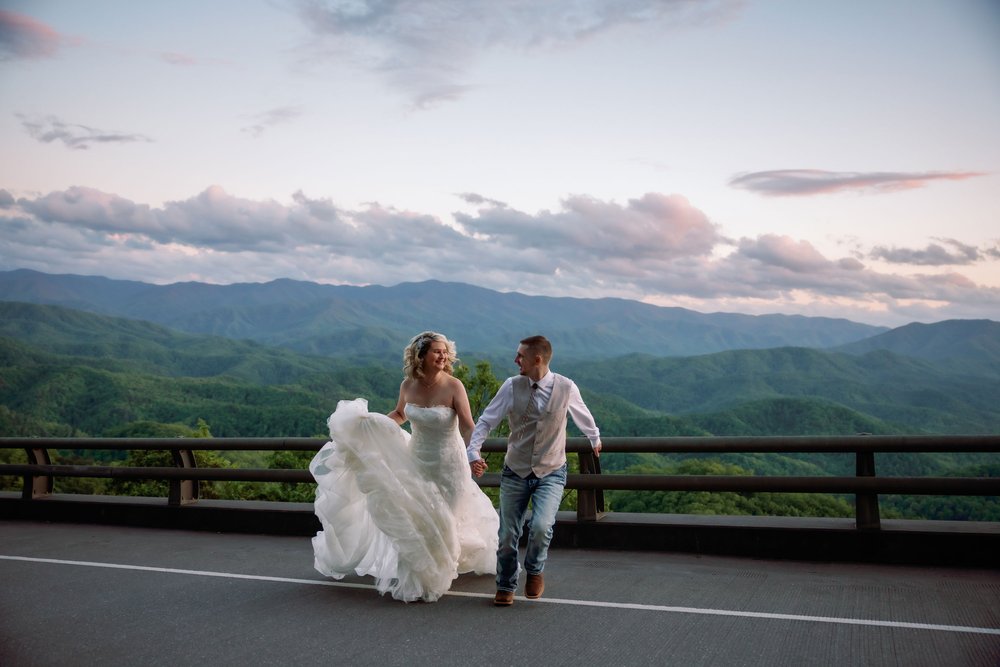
x: 577, y: 603
x: 199, y: 573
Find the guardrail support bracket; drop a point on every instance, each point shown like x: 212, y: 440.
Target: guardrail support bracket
x: 37, y: 486
x: 183, y: 491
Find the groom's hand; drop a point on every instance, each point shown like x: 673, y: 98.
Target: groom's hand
x: 478, y: 467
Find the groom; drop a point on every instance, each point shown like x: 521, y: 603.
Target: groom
x: 536, y: 404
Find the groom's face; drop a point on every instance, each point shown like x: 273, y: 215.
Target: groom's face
x: 525, y: 360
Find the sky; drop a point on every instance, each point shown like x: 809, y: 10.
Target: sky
x: 836, y: 158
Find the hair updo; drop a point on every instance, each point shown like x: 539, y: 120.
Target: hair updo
x: 413, y: 355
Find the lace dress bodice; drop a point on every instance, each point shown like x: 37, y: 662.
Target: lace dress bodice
x: 438, y: 449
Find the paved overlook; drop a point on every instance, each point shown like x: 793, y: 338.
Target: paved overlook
x: 87, y: 594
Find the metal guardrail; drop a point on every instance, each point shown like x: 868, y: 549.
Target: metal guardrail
x: 865, y: 485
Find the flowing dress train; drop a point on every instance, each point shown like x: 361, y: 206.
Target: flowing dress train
x: 403, y: 509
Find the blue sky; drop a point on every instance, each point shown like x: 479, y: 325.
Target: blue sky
x: 814, y: 157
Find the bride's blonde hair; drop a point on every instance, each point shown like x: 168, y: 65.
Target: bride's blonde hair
x: 413, y: 355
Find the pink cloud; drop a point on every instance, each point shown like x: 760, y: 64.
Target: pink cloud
x: 652, y: 226
x: 23, y: 37
x: 784, y: 252
x: 89, y: 208
x: 655, y: 245
x: 803, y: 182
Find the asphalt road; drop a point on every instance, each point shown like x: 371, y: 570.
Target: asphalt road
x: 104, y: 595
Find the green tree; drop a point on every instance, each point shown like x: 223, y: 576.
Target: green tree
x: 158, y: 458
x: 481, y: 386
x: 721, y: 503
x: 12, y: 482
x: 284, y: 491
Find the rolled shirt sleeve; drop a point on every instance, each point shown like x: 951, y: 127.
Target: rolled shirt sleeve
x: 580, y: 413
x: 491, y: 418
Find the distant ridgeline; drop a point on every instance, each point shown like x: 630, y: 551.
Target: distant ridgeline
x: 67, y: 372
x: 376, y: 322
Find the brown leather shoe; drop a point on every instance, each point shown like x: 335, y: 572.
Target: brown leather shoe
x: 503, y: 599
x: 534, y: 586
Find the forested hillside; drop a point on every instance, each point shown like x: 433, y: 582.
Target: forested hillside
x: 375, y: 321
x: 68, y: 373
x: 911, y: 395
x: 969, y: 346
x: 60, y: 364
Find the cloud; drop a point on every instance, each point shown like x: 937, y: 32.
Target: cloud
x: 479, y: 200
x: 90, y: 209
x: 22, y: 37
x: 210, y: 220
x: 653, y: 226
x: 934, y: 254
x: 785, y: 253
x: 77, y: 137
x: 270, y: 118
x: 172, y: 58
x: 426, y: 47
x: 802, y: 182
x: 588, y: 240
x: 774, y: 267
x: 217, y: 221
x: 656, y: 247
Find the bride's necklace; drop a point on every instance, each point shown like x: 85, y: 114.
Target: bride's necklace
x: 428, y: 386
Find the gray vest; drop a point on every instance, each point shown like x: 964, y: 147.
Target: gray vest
x: 537, y: 441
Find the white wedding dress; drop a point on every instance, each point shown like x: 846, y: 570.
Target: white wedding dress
x: 403, y: 509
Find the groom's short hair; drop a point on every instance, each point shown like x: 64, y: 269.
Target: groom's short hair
x: 539, y: 345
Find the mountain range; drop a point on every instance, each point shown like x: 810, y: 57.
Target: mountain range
x: 66, y: 372
x: 376, y: 322
x: 66, y: 366
x: 88, y: 356
x: 937, y: 378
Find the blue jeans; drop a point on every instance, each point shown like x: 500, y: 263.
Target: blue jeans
x: 545, y: 494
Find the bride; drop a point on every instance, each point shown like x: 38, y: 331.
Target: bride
x: 405, y: 509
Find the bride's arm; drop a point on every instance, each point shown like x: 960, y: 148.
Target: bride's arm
x: 398, y: 415
x: 460, y: 404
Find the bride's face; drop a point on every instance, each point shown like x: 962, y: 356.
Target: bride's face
x: 436, y: 358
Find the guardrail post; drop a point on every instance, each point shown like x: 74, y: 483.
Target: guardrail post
x: 866, y: 514
x: 589, y: 502
x: 37, y: 486
x: 183, y: 491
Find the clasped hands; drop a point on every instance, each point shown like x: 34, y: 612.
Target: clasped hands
x: 478, y: 467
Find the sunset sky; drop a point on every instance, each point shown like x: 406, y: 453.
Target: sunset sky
x: 815, y: 157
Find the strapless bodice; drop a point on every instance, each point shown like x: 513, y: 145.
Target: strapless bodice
x: 436, y: 421
x: 437, y: 446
